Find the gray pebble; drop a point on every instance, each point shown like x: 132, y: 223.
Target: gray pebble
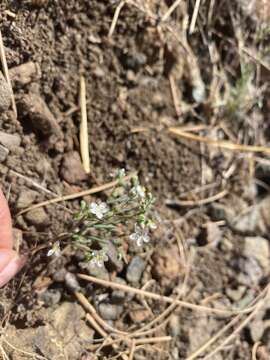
x: 59, y: 276
x: 50, y: 297
x: 98, y: 271
x: 3, y: 153
x: 135, y: 269
x: 71, y: 282
x: 135, y: 61
x: 110, y: 311
x: 119, y: 295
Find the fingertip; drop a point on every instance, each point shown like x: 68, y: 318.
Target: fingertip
x: 11, y: 269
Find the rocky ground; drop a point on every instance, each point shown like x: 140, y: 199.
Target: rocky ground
x: 158, y: 68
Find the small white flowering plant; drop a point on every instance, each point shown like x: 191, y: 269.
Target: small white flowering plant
x: 127, y: 214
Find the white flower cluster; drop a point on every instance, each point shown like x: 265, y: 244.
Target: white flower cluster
x: 99, y: 209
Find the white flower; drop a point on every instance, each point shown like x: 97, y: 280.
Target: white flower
x: 140, y: 235
x: 152, y: 225
x: 138, y: 190
x: 55, y: 250
x: 99, y: 209
x: 98, y: 258
x: 121, y: 173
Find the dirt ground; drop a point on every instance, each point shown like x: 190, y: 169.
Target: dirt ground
x: 205, y: 73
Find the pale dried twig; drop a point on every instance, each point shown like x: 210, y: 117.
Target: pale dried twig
x: 219, y: 143
x: 75, y: 195
x: 115, y: 17
x: 194, y: 16
x: 5, y: 69
x: 170, y: 10
x: 162, y: 298
x: 84, y: 142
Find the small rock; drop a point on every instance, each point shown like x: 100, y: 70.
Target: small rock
x: 36, y: 110
x: 135, y: 269
x: 119, y: 295
x: 139, y: 315
x: 59, y: 275
x: 3, y: 153
x: 236, y: 294
x: 114, y: 257
x: 99, y: 272
x: 71, y: 282
x: 258, y: 248
x: 251, y: 272
x: 134, y: 61
x: 72, y: 170
x: 110, y: 311
x: 5, y: 94
x: 26, y: 198
x: 9, y: 140
x: 167, y: 265
x: 37, y: 217
x: 25, y: 73
x: 50, y: 297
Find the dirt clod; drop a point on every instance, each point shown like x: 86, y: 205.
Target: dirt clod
x: 25, y: 73
x: 26, y: 198
x: 167, y: 265
x: 37, y: 217
x: 36, y: 110
x: 9, y: 140
x: 72, y: 170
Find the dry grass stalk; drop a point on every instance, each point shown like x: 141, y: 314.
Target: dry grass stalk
x: 84, y: 142
x: 132, y: 350
x: 175, y: 96
x: 194, y: 16
x: 162, y: 298
x: 75, y: 195
x: 170, y: 10
x: 219, y: 143
x: 6, y: 73
x: 115, y: 17
x: 254, y: 350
